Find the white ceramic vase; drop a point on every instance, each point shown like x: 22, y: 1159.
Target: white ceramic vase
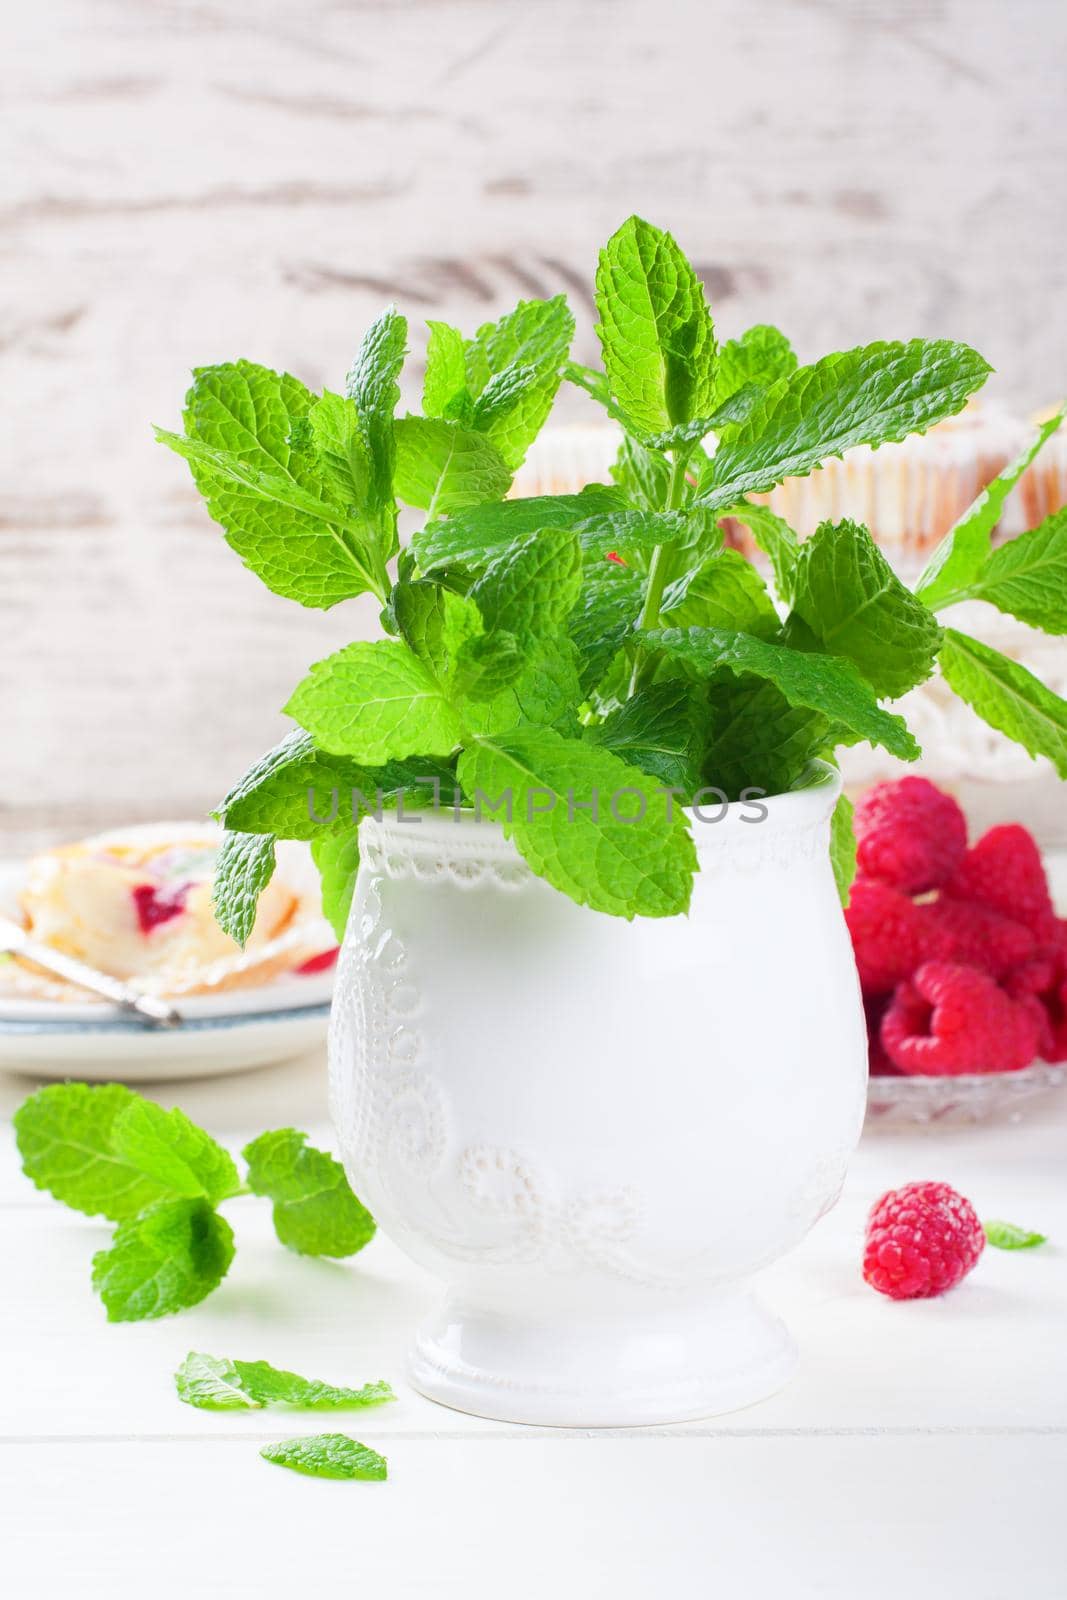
x: 596, y: 1131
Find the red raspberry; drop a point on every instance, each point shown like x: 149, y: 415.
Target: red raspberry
x: 1041, y: 986
x: 909, y: 835
x: 973, y: 936
x: 950, y: 1020
x: 886, y: 935
x: 921, y: 1240
x: 1004, y: 872
x: 878, y: 1063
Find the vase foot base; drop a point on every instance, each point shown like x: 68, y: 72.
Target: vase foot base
x: 632, y: 1370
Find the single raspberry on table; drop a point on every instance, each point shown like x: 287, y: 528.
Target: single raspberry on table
x: 909, y: 835
x: 949, y: 1020
x: 921, y: 1240
x: 1004, y: 872
x: 974, y: 936
x: 886, y: 932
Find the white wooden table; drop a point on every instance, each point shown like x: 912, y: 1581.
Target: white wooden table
x: 920, y: 1448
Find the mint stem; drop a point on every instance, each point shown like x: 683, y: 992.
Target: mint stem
x: 659, y: 572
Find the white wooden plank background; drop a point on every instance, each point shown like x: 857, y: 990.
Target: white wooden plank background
x: 183, y: 183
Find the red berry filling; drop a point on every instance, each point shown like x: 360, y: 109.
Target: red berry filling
x: 156, y: 905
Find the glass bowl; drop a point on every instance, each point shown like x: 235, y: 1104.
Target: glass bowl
x: 974, y: 1097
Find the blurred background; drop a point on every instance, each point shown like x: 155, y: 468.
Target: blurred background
x: 189, y: 183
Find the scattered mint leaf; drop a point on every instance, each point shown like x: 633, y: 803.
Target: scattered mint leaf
x: 327, y: 1455
x: 184, y: 1160
x: 1027, y: 577
x: 1008, y: 1236
x: 876, y: 394
x: 243, y: 868
x: 856, y: 606
x: 65, y: 1136
x: 661, y: 731
x: 169, y: 1257
x: 375, y: 701
x: 1007, y: 696
x: 628, y: 868
x: 471, y: 538
x: 725, y: 592
x: 315, y: 1211
x: 655, y: 329
x: 775, y: 538
x: 825, y: 684
x: 843, y: 847
x: 217, y: 1384
x: 265, y: 491
x: 962, y: 552
x: 442, y: 466
x: 336, y: 855
x: 444, y: 388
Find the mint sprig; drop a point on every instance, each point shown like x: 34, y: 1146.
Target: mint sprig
x: 546, y: 647
x: 107, y: 1151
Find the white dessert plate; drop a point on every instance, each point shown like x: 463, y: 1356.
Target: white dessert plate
x: 231, y: 1031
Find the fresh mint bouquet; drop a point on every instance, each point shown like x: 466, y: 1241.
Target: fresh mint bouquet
x: 542, y: 658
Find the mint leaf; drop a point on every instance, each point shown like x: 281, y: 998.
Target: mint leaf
x: 534, y: 587
x: 327, y: 1455
x: 643, y: 475
x: 757, y: 739
x: 843, y: 847
x: 1007, y: 696
x: 961, y: 553
x: 441, y: 466
x: 169, y: 1257
x: 633, y: 533
x: 608, y: 607
x: 437, y: 624
x: 546, y: 690
x: 65, y: 1135
x: 344, y: 460
x: 826, y: 684
x: 655, y: 329
x: 639, y: 866
x: 315, y: 1211
x: 375, y: 701
x: 444, y: 388
x: 726, y: 591
x: 876, y: 394
x: 660, y: 730
x: 1009, y: 1236
x: 265, y: 488
x: 185, y: 1161
x: 595, y: 384
x: 336, y: 855
x: 775, y: 538
x: 473, y: 537
x: 243, y: 868
x: 856, y: 606
x: 217, y: 1384
x: 536, y: 335
x: 373, y: 383
x: 758, y: 357
x: 1027, y: 577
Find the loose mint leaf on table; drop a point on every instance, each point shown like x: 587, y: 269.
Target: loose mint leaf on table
x: 315, y: 1211
x: 375, y: 701
x: 169, y: 1257
x: 249, y: 443
x: 1027, y: 577
x: 442, y: 466
x: 336, y: 855
x: 106, y: 1151
x: 875, y: 394
x: 1009, y: 1236
x: 217, y: 1384
x: 327, y: 1455
x: 642, y: 865
x: 725, y: 592
x: 661, y: 731
x: 1007, y: 696
x: 775, y: 538
x: 961, y: 554
x: 828, y: 685
x: 655, y: 329
x: 472, y: 537
x: 856, y: 606
x: 843, y: 847
x: 243, y: 868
